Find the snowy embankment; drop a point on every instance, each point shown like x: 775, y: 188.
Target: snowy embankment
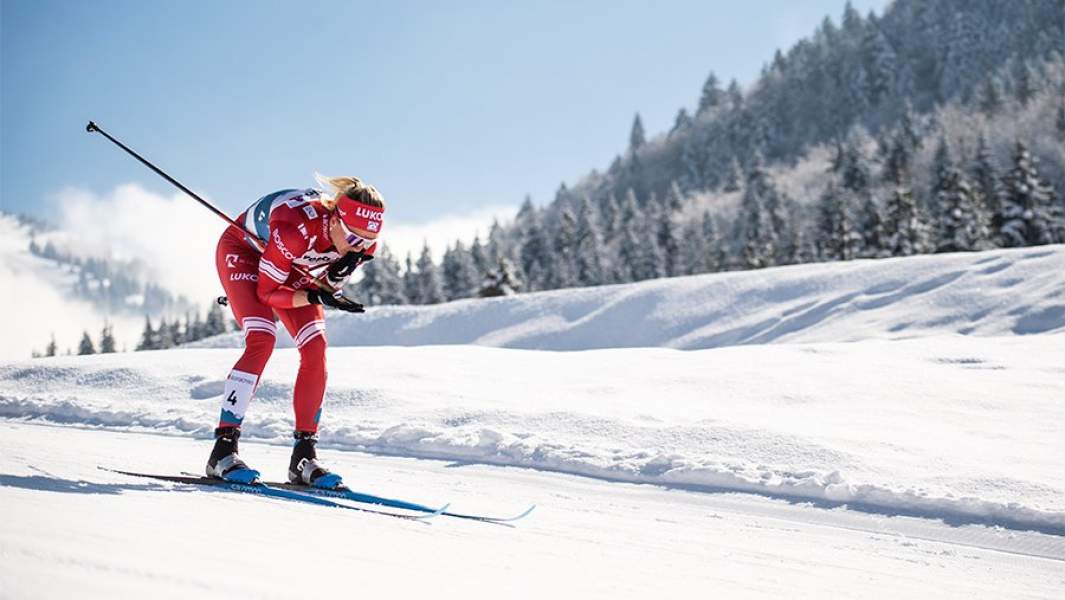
x: 965, y: 427
x: 1004, y: 292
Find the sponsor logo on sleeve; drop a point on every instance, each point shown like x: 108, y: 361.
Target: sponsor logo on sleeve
x: 243, y: 277
x: 281, y: 246
x: 311, y: 213
x: 231, y: 260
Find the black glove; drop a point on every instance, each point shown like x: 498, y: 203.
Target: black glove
x: 339, y: 271
x: 337, y: 302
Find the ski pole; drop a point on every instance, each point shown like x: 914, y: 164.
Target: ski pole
x: 94, y: 128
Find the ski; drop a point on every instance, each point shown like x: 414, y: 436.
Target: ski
x: 349, y: 494
x: 262, y: 489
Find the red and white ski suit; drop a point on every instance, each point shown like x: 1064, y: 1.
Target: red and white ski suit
x: 293, y: 226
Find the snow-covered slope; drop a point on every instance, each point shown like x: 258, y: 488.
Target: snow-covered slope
x: 1003, y: 292
x: 924, y: 392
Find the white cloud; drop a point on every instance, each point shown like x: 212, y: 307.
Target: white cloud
x: 172, y: 238
x: 402, y: 238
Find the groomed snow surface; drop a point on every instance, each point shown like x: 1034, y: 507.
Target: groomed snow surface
x: 876, y: 428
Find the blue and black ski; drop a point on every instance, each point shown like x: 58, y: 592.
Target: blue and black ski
x: 269, y: 491
x: 348, y: 494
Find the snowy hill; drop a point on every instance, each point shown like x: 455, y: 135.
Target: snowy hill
x: 1004, y: 292
x: 907, y: 411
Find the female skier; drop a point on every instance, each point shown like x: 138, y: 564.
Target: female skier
x: 310, y: 228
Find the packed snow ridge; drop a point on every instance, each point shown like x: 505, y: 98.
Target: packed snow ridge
x: 868, y: 395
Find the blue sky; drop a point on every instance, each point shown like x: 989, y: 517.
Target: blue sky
x: 447, y: 107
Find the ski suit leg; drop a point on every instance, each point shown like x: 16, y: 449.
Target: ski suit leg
x: 238, y: 270
x: 306, y: 325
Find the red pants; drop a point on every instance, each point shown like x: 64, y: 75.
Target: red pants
x: 238, y: 270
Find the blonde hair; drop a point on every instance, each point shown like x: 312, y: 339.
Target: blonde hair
x: 352, y: 187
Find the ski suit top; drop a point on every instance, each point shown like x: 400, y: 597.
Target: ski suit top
x: 293, y: 226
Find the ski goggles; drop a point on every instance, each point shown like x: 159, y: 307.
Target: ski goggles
x: 352, y: 238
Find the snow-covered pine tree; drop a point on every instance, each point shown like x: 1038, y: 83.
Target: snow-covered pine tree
x: 610, y: 214
x: 637, y: 138
x: 215, y: 325
x: 1059, y: 121
x: 1028, y: 216
x: 880, y: 61
x: 651, y: 261
x: 149, y: 340
x: 898, y: 160
x: 589, y: 246
x: 626, y: 267
x: 984, y: 176
x: 991, y: 96
x: 667, y: 236
x: 735, y: 94
x: 381, y: 281
x: 86, y: 347
x: 904, y: 226
x: 1025, y: 82
x: 712, y: 95
x: 871, y: 227
x: 561, y: 258
x: 682, y: 122
x: 51, y: 348
x: 195, y: 326
x: 962, y: 225
x: 410, y: 281
x: 691, y: 259
x: 177, y: 337
x: 164, y: 334
x: 837, y: 239
x: 761, y: 214
x: 943, y: 166
x: 733, y: 176
x: 427, y: 278
x: 459, y: 274
x: 107, y: 339
x: 534, y: 247
x: 479, y: 254
x: 854, y: 170
x: 716, y: 256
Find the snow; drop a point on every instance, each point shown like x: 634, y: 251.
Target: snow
x: 863, y: 428
x: 73, y: 530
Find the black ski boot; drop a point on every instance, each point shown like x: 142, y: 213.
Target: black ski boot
x: 304, y: 468
x: 224, y: 462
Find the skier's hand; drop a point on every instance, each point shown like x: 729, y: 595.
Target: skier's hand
x: 339, y: 271
x: 338, y: 302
